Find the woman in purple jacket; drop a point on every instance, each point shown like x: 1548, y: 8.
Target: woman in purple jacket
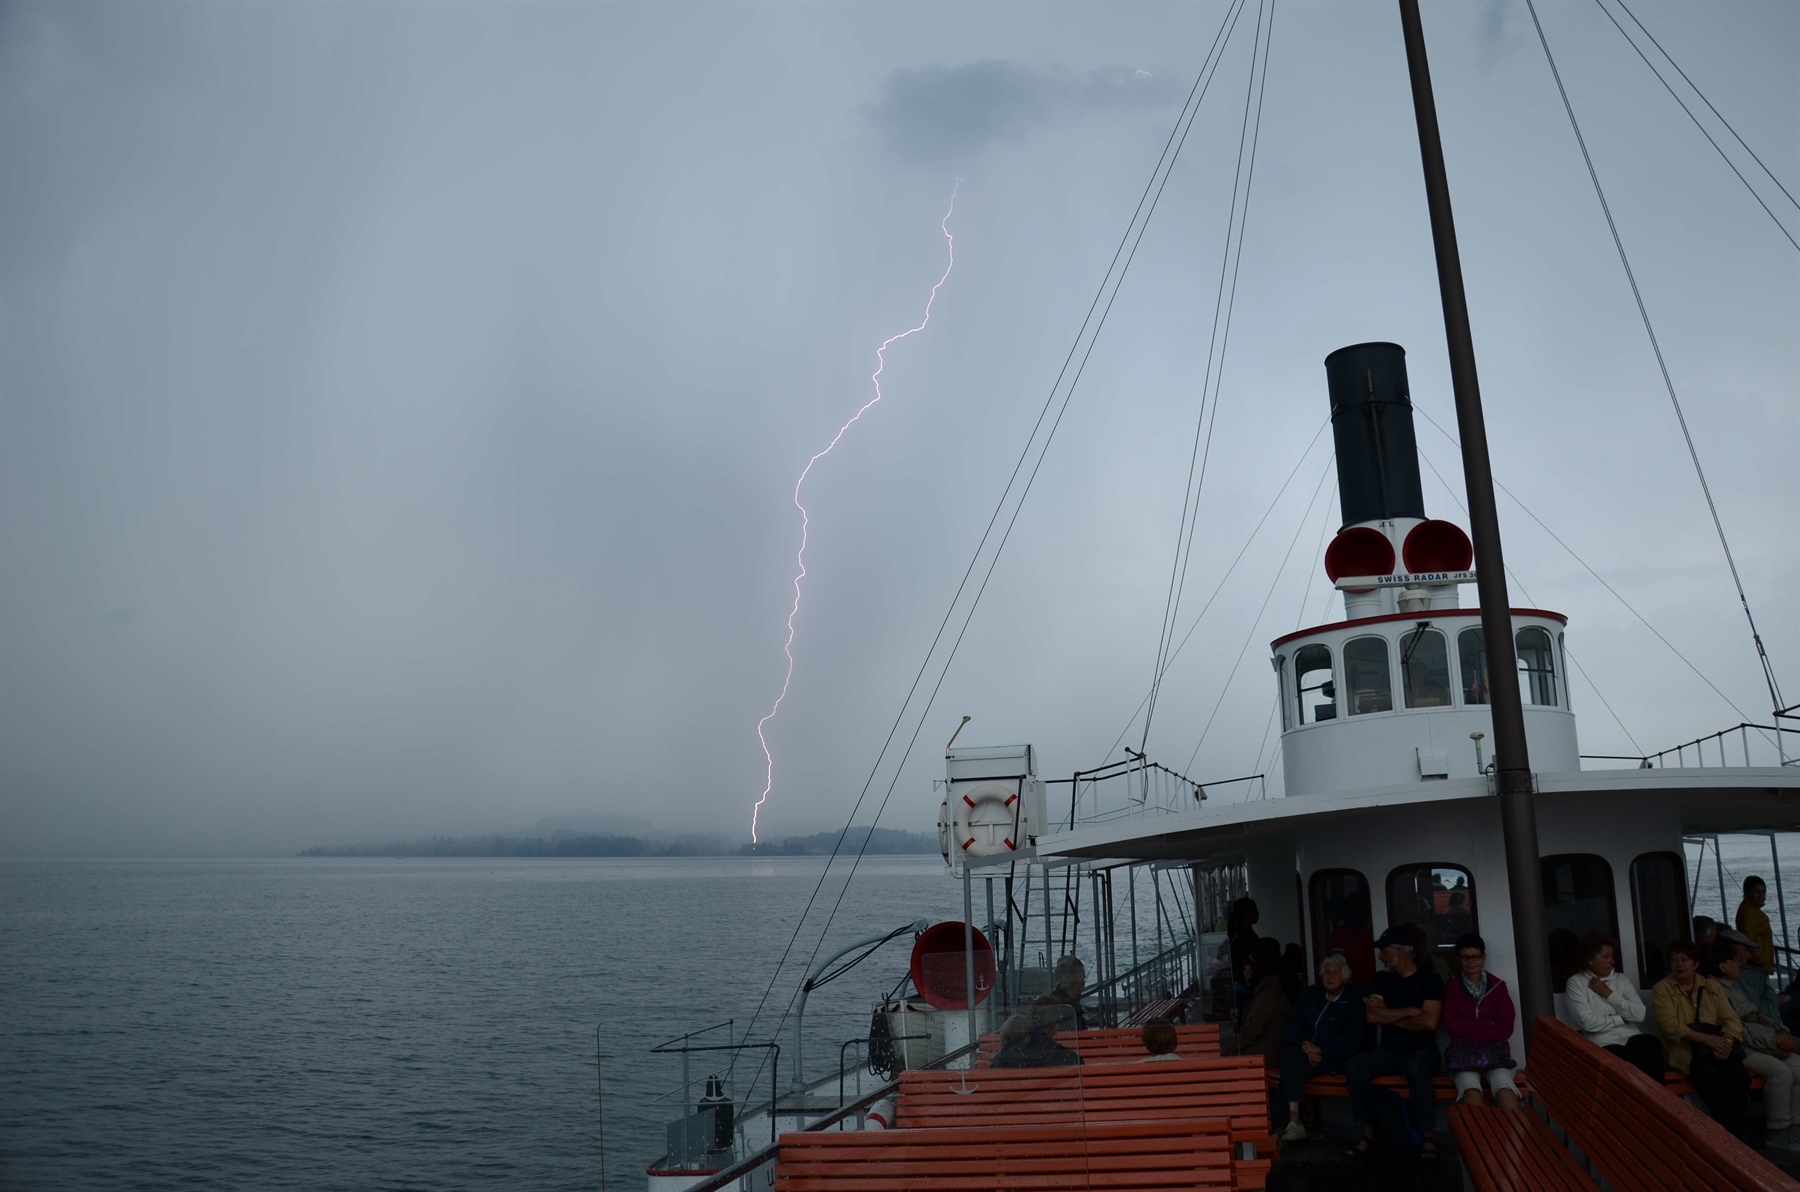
x: 1479, y: 1018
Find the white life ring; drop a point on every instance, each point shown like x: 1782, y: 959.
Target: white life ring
x: 944, y: 828
x: 982, y: 819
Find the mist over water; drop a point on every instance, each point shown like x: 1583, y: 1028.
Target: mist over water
x: 396, y: 1024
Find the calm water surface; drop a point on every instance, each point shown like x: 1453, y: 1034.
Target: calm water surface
x: 392, y: 1023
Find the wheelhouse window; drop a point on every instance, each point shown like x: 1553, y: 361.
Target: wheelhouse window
x: 1315, y: 693
x: 1537, y: 667
x: 1341, y: 921
x: 1438, y: 897
x: 1281, y: 689
x: 1578, y: 898
x: 1425, y: 669
x: 1659, y: 908
x: 1562, y: 656
x: 1471, y: 654
x: 1369, y: 682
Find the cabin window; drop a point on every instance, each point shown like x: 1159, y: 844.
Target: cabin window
x: 1366, y: 675
x: 1281, y: 689
x: 1438, y: 897
x: 1578, y: 898
x: 1562, y: 656
x: 1537, y: 668
x: 1472, y: 655
x: 1341, y: 921
x: 1659, y: 907
x: 1315, y: 693
x: 1425, y: 669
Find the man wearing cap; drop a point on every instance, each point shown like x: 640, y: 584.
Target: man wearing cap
x: 1405, y: 1001
x: 1752, y: 979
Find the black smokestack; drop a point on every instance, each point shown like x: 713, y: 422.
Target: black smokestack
x: 1371, y: 421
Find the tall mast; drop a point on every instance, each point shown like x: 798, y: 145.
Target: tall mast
x: 1512, y: 765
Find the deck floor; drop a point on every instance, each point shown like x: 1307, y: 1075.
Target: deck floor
x: 1318, y: 1165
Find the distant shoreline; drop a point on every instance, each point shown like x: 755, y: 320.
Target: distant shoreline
x: 885, y: 842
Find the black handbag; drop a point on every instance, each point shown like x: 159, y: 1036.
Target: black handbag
x: 1713, y: 1028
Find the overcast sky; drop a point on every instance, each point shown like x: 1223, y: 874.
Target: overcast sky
x: 400, y: 404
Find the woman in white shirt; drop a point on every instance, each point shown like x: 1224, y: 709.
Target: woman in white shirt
x: 1607, y: 1010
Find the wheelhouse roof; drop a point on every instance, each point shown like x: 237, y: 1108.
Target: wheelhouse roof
x: 1709, y: 800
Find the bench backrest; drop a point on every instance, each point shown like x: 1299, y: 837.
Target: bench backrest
x: 1637, y: 1133
x: 1108, y: 1044
x: 1232, y: 1089
x: 1148, y: 1155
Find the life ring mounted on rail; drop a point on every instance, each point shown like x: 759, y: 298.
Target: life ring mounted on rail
x: 979, y: 820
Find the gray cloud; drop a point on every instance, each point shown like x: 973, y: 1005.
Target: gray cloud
x: 950, y: 114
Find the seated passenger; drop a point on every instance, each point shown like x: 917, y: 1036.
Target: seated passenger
x: 1066, y: 984
x: 1159, y: 1040
x: 1405, y: 1001
x: 1265, y: 1014
x: 1769, y: 1051
x: 1705, y: 930
x: 1479, y: 1018
x: 1324, y: 1029
x: 1606, y: 1009
x: 1028, y: 1040
x: 1703, y: 1036
x: 1755, y: 979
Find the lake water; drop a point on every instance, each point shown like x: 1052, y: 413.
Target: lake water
x: 395, y: 1024
x: 416, y: 1024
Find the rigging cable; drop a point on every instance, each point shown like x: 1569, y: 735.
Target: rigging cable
x: 1707, y: 102
x: 1700, y: 126
x: 1514, y: 577
x: 1305, y: 520
x: 1190, y: 490
x: 1299, y: 620
x: 1756, y: 637
x: 1589, y: 569
x: 1202, y: 83
x: 1295, y: 471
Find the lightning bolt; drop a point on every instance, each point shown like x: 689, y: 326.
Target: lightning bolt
x: 805, y: 521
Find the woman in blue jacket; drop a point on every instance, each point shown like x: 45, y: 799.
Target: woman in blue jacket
x: 1324, y: 1030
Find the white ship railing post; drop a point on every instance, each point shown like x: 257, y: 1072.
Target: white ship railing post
x: 1780, y: 902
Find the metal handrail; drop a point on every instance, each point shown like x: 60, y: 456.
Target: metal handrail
x: 1659, y: 760
x: 772, y: 1152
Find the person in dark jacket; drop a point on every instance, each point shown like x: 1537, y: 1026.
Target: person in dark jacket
x: 1066, y: 984
x: 1265, y: 1014
x: 1479, y: 1018
x: 1028, y: 1040
x: 1324, y: 1029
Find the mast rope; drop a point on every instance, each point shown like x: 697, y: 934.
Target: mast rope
x: 1190, y: 490
x: 1690, y: 115
x: 1305, y: 520
x: 1709, y: 103
x: 1514, y: 577
x: 1645, y: 621
x: 1668, y: 383
x: 1220, y: 586
x: 1164, y: 166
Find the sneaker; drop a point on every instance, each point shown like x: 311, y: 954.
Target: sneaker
x: 1295, y: 1132
x: 1784, y: 1140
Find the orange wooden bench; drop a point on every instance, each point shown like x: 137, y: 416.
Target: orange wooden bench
x: 1171, y: 1008
x: 1229, y: 1090
x: 1513, y: 1151
x: 1639, y: 1137
x: 1678, y: 1082
x: 1102, y: 1045
x: 1188, y: 1154
x: 1335, y: 1085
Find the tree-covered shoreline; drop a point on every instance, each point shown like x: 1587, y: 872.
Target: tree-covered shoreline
x: 881, y: 842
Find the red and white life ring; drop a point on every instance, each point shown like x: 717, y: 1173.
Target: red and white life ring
x: 979, y: 820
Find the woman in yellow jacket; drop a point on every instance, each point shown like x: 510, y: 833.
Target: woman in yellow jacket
x: 1702, y: 1033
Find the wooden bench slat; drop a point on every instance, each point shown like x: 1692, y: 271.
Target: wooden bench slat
x: 1514, y: 1151
x: 1192, y: 1153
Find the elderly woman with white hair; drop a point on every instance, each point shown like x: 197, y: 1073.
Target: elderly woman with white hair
x: 1066, y: 984
x: 1324, y: 1029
